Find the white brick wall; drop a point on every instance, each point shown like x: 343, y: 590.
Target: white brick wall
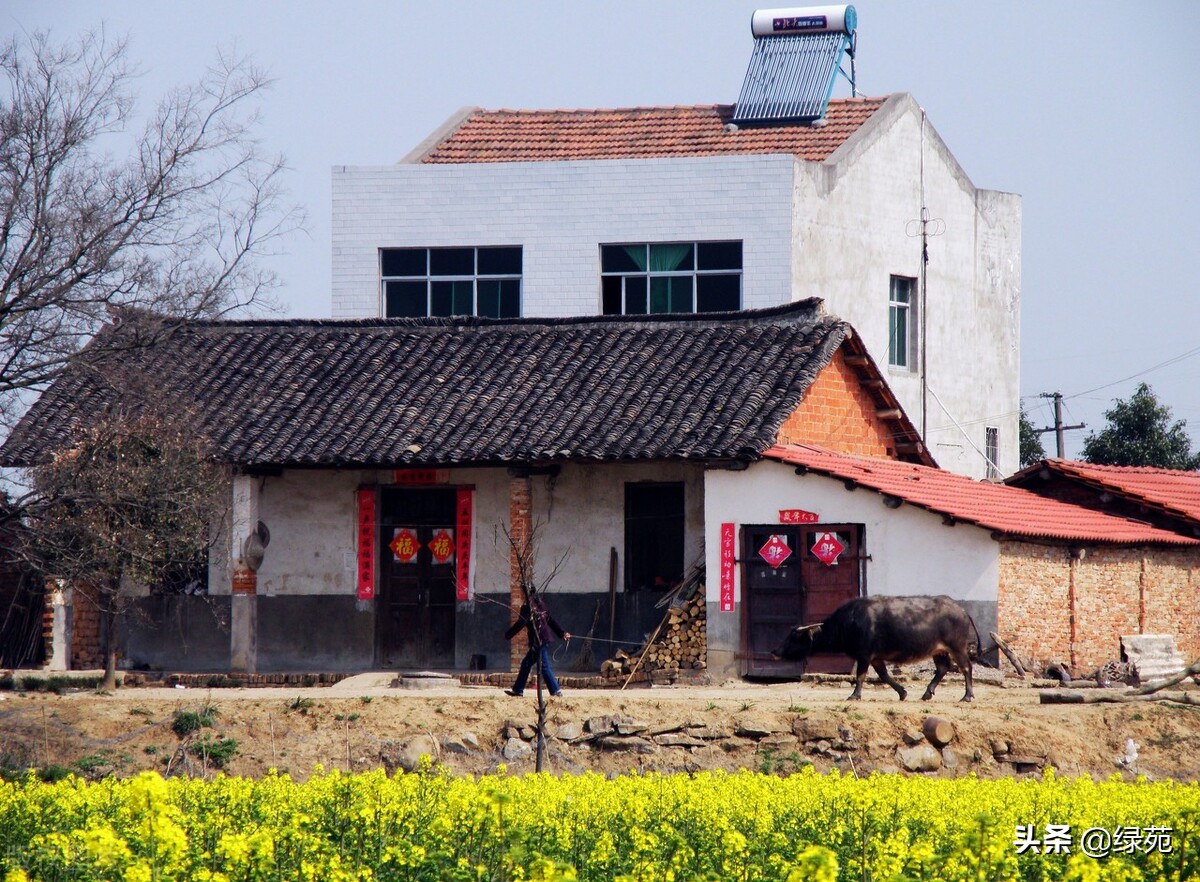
x: 560, y: 213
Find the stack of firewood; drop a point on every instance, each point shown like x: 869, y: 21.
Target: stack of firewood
x: 679, y: 642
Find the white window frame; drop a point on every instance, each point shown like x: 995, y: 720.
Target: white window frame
x: 991, y: 451
x: 906, y: 359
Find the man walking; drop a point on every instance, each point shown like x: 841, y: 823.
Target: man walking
x: 541, y: 627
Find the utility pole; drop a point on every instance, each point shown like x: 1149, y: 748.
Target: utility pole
x: 1058, y: 428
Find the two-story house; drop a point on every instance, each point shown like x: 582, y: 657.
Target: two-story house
x: 678, y: 209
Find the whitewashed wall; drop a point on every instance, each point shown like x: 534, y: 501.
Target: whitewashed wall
x: 911, y: 550
x: 313, y: 518
x: 836, y: 230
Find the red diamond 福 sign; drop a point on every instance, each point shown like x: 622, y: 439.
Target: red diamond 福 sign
x: 404, y: 545
x: 441, y: 546
x: 775, y: 550
x: 828, y: 548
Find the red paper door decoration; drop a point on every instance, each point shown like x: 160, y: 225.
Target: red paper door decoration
x: 441, y: 546
x: 366, y: 544
x: 463, y: 518
x: 828, y: 548
x: 404, y: 545
x: 727, y: 567
x: 775, y: 550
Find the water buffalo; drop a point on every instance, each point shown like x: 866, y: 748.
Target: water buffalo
x: 876, y: 630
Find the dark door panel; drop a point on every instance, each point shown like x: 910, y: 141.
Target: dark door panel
x: 417, y: 597
x: 799, y: 589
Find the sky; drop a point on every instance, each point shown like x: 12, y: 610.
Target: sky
x: 1088, y: 110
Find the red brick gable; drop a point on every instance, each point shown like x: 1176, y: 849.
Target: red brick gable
x: 838, y: 413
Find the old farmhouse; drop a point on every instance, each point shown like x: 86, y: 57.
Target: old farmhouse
x: 390, y: 459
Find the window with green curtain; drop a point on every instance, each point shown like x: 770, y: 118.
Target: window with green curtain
x: 668, y: 277
x: 483, y: 281
x: 900, y: 328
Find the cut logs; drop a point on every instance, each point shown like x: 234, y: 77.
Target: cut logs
x: 679, y: 643
x: 937, y: 731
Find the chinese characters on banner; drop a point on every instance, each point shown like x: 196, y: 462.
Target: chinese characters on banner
x: 463, y: 518
x: 797, y: 516
x: 420, y: 476
x: 366, y: 544
x: 726, y: 567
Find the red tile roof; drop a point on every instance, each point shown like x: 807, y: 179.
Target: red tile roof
x: 1174, y: 492
x: 640, y: 133
x: 996, y: 507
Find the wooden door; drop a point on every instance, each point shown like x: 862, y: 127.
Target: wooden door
x: 773, y: 595
x: 417, y: 599
x: 827, y: 585
x: 787, y: 584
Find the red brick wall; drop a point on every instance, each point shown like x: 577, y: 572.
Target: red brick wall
x: 520, y: 531
x: 1116, y: 590
x: 86, y: 649
x: 839, y: 414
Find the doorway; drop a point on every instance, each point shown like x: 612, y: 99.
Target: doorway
x: 796, y: 575
x: 417, y: 578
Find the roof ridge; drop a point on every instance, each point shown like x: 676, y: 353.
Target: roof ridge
x: 634, y: 108
x: 810, y: 308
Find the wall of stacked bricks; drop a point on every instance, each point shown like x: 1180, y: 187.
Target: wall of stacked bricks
x: 1118, y: 591
x: 86, y: 649
x: 520, y: 529
x: 838, y: 413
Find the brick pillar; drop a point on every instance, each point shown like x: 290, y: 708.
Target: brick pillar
x: 56, y: 627
x: 520, y: 531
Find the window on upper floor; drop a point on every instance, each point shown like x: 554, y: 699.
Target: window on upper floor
x: 902, y: 323
x: 420, y: 282
x: 991, y: 449
x: 642, y: 279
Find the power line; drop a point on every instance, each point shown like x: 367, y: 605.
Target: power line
x: 1162, y: 364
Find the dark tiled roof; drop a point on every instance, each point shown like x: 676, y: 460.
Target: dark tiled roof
x: 641, y: 133
x: 998, y: 507
x: 460, y: 391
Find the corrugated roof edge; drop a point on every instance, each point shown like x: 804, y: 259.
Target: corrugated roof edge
x: 1095, y: 476
x: 798, y: 454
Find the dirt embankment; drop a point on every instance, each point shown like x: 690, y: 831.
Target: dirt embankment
x: 363, y: 723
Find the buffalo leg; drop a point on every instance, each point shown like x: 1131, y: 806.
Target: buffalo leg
x: 941, y: 664
x: 860, y: 674
x: 963, y: 660
x: 881, y: 669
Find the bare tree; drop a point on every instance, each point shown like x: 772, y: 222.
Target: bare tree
x: 170, y: 218
x: 523, y: 549
x: 132, y: 501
